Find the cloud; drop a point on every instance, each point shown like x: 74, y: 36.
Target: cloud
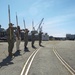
x: 58, y: 20
x: 38, y: 7
x: 53, y: 26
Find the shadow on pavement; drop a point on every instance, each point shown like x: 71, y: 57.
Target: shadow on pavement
x: 6, y: 61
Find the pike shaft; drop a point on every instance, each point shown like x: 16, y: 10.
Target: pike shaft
x: 16, y: 20
x: 24, y: 23
x: 9, y: 18
x: 9, y: 13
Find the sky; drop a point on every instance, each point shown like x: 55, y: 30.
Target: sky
x: 59, y: 15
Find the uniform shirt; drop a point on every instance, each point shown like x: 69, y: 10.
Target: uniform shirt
x: 40, y: 35
x: 10, y: 33
x: 26, y: 35
x: 18, y: 33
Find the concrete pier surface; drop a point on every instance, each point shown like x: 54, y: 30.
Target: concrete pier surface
x: 45, y: 61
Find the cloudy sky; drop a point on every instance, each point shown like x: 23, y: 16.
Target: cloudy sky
x: 59, y: 15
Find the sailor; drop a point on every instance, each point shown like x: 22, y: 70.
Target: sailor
x: 10, y: 38
x: 33, y: 37
x: 26, y: 38
x: 40, y: 38
x: 18, y: 38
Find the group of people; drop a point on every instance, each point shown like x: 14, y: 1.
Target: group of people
x: 11, y: 37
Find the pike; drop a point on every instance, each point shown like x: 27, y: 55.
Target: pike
x: 24, y: 23
x: 16, y: 19
x: 9, y: 18
x: 33, y: 25
x: 17, y: 24
x: 9, y: 13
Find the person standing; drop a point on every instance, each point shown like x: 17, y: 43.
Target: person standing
x: 10, y: 38
x: 33, y: 38
x: 26, y: 38
x: 18, y: 38
x: 40, y: 38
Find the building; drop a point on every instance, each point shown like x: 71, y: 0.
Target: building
x: 2, y: 33
x: 45, y: 37
x: 70, y: 36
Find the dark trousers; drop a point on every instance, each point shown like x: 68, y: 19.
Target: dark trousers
x: 33, y: 42
x: 10, y: 46
x: 25, y: 43
x: 40, y: 40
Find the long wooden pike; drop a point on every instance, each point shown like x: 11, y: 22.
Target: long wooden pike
x: 9, y: 18
x: 33, y: 25
x: 16, y: 20
x: 9, y: 13
x: 24, y: 24
x: 17, y: 24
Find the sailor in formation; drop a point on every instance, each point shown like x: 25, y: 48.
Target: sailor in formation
x: 26, y: 38
x: 18, y: 38
x: 10, y: 38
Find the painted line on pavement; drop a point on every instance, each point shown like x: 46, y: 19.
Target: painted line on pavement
x: 69, y: 68
x: 26, y: 73
x: 24, y: 67
x: 30, y: 57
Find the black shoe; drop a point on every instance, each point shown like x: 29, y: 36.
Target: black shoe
x: 26, y: 47
x: 18, y: 50
x: 40, y: 45
x: 33, y: 46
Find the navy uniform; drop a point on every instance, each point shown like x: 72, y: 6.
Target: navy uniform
x: 18, y: 38
x: 10, y: 38
x: 40, y: 38
x: 26, y: 38
x: 33, y: 37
